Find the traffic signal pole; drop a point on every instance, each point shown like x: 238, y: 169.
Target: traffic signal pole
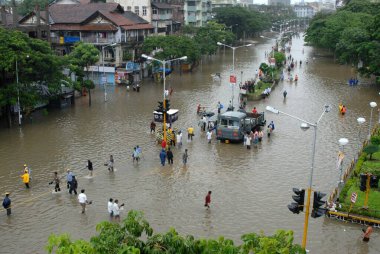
x: 365, y: 206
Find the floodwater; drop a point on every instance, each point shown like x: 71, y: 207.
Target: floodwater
x: 250, y: 188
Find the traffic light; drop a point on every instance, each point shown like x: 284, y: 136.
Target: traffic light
x: 299, y: 198
x: 374, y: 182
x: 363, y: 182
x: 167, y: 105
x: 317, y: 203
x: 160, y: 107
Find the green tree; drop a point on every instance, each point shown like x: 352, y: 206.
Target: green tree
x: 173, y: 46
x: 26, y: 6
x: 280, y: 58
x: 81, y: 58
x: 37, y: 65
x: 126, y: 238
x: 371, y: 149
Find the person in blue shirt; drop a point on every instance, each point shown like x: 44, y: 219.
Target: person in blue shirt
x: 7, y: 203
x: 163, y: 157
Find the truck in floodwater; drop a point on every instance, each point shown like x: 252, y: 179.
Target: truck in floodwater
x: 232, y: 125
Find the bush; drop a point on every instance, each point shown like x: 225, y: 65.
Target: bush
x: 359, y: 164
x: 375, y: 140
x: 343, y: 194
x: 371, y: 149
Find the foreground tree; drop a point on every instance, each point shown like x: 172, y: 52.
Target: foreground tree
x: 81, y: 58
x: 36, y: 65
x: 126, y: 238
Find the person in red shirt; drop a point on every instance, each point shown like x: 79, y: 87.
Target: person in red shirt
x: 163, y: 144
x: 208, y: 199
x: 254, y: 110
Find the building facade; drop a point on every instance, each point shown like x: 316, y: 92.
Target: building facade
x: 223, y: 3
x: 278, y: 2
x: 197, y: 12
x: 304, y: 11
x: 142, y: 8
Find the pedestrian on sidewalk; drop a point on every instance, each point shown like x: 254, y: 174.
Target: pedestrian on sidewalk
x: 82, y: 198
x: 163, y: 157
x: 56, y: 181
x: 185, y: 156
x: 73, y: 186
x: 7, y: 203
x: 170, y: 156
x: 208, y: 199
x: 90, y: 168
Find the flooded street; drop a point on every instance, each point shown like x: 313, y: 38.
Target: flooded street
x: 251, y: 188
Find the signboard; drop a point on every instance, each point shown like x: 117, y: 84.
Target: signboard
x: 232, y: 79
x: 354, y: 196
x: 172, y: 116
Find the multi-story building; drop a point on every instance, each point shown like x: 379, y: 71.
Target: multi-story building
x: 197, y: 12
x: 112, y: 30
x: 223, y: 3
x: 304, y: 11
x: 162, y: 18
x: 142, y: 8
x: 278, y: 2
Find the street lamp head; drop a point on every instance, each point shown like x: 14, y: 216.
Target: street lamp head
x: 327, y: 108
x: 262, y: 36
x: 219, y: 43
x: 361, y: 120
x: 144, y: 56
x: 183, y: 58
x: 272, y: 109
x: 373, y: 104
x: 343, y: 141
x: 249, y: 45
x: 304, y: 126
x: 113, y: 44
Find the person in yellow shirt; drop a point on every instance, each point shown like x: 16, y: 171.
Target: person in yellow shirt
x: 25, y: 178
x: 190, y: 133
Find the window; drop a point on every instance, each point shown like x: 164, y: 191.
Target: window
x: 137, y: 11
x: 144, y: 10
x: 154, y: 11
x: 129, y: 8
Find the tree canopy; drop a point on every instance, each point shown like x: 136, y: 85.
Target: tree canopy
x: 135, y: 235
x: 353, y: 33
x: 81, y: 58
x: 37, y: 65
x: 242, y: 20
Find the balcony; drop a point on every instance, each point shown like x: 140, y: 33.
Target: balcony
x: 191, y: 8
x: 191, y: 18
x: 162, y: 16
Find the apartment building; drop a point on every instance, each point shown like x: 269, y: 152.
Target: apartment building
x: 197, y: 12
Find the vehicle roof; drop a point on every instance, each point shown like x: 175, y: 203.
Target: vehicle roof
x: 234, y: 114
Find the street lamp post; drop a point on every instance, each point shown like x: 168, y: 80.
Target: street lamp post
x: 304, y: 126
x: 104, y: 78
x: 360, y: 121
x: 373, y: 105
x: 164, y: 62
x: 342, y: 143
x: 18, y: 95
x: 233, y: 63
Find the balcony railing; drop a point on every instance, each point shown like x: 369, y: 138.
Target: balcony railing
x: 88, y: 39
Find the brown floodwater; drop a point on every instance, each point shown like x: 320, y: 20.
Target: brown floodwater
x: 250, y: 188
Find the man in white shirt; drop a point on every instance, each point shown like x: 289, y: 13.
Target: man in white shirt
x: 82, y: 198
x: 110, y: 207
x: 116, y: 210
x: 209, y: 136
x: 179, y: 139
